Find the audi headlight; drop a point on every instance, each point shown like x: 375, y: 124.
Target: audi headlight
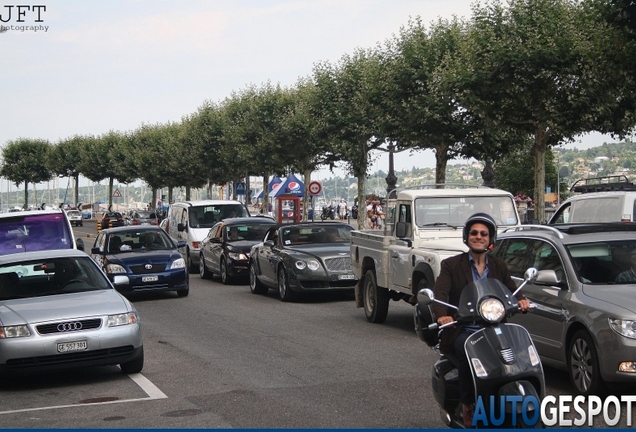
x: 625, y: 328
x: 122, y: 319
x: 14, y: 332
x: 492, y: 310
x: 114, y: 269
x: 177, y: 264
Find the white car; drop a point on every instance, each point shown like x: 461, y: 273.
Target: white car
x: 75, y: 217
x: 58, y: 310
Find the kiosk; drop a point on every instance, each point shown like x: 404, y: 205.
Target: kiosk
x: 288, y: 209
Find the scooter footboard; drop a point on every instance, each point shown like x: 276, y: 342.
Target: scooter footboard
x: 445, y: 382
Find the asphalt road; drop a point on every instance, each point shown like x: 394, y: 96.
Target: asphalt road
x: 226, y: 358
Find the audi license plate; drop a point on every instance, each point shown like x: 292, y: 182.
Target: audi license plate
x: 149, y: 278
x: 71, y: 346
x: 346, y: 277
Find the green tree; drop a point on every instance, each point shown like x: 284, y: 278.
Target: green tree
x: 25, y: 161
x: 104, y: 158
x: 528, y: 67
x: 349, y: 105
x: 64, y: 160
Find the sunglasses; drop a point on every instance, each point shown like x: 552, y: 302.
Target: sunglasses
x: 482, y: 233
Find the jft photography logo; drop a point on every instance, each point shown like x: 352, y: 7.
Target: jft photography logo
x: 23, y: 18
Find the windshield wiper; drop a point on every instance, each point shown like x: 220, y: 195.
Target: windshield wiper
x: 440, y: 224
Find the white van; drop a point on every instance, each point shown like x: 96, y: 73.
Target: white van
x: 191, y: 221
x: 596, y: 207
x: 33, y: 230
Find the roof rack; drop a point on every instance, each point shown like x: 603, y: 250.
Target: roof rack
x: 603, y: 184
x: 534, y: 226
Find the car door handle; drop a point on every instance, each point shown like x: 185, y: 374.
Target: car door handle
x: 395, y: 255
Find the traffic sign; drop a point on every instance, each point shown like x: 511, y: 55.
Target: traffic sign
x: 240, y: 188
x: 315, y: 187
x: 117, y: 194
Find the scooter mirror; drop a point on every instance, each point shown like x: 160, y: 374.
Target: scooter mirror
x: 530, y: 274
x: 425, y: 296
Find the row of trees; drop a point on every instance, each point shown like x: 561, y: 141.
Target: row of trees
x: 520, y: 77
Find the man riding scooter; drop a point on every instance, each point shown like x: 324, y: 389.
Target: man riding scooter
x: 479, y: 235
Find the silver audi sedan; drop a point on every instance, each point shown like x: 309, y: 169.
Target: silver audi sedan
x: 59, y: 311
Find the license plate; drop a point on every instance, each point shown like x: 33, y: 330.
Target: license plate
x: 149, y: 278
x: 71, y: 346
x: 346, y: 277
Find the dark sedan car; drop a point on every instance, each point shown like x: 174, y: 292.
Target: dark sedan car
x: 112, y: 219
x: 303, y: 258
x: 146, y: 255
x: 226, y: 249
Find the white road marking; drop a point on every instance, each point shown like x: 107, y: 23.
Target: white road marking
x: 144, y: 383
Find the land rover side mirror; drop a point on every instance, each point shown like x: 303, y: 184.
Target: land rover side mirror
x: 401, y: 230
x: 181, y: 227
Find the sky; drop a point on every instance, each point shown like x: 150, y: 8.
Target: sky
x: 87, y: 67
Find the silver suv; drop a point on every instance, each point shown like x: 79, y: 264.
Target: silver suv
x: 585, y: 316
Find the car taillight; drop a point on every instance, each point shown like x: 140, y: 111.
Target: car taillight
x: 135, y: 222
x: 155, y: 222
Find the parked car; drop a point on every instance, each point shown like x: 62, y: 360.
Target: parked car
x: 585, y: 316
x: 303, y: 258
x: 34, y: 230
x: 145, y: 255
x: 112, y: 219
x: 75, y: 217
x: 599, y: 199
x: 141, y: 217
x: 191, y: 221
x: 226, y: 249
x: 59, y: 311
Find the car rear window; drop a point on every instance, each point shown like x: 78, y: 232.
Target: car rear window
x: 26, y: 233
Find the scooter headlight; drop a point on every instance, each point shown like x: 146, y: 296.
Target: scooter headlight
x: 492, y: 310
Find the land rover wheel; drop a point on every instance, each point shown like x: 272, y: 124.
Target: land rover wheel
x: 376, y: 299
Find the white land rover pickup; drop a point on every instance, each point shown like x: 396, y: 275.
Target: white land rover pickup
x: 423, y: 227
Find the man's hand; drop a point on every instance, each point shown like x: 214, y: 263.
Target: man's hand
x: 524, y: 305
x: 444, y: 320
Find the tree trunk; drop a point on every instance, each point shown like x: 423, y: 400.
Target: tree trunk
x: 361, y: 174
x: 538, y: 152
x: 111, y: 180
x: 76, y: 178
x: 265, y: 194
x: 26, y: 195
x: 307, y: 198
x: 187, y: 197
x: 441, y: 159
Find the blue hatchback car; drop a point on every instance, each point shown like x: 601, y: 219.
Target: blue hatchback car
x: 146, y: 254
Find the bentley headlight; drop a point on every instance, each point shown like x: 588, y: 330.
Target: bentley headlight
x: 115, y: 269
x: 625, y: 328
x: 312, y: 265
x: 14, y: 332
x: 492, y: 310
x: 122, y: 319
